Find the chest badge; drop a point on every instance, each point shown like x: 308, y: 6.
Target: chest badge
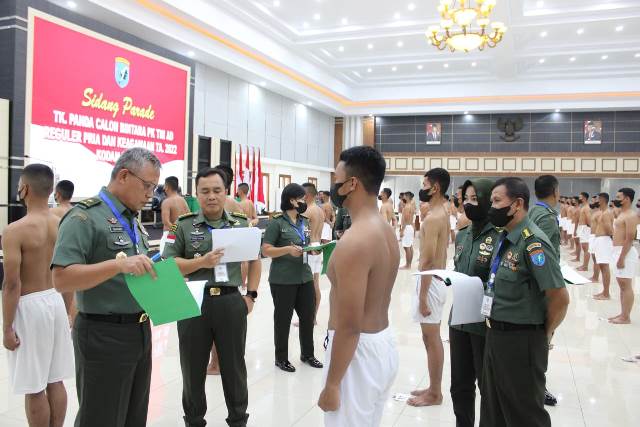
x: 121, y: 241
x: 489, y: 240
x: 197, y: 255
x: 112, y: 220
x: 197, y: 232
x: 483, y: 247
x: 195, y: 245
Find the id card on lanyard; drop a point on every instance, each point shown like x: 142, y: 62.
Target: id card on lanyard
x: 487, y: 300
x: 220, y: 271
x: 300, y: 232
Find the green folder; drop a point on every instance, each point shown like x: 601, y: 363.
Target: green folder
x: 327, y: 250
x: 165, y: 299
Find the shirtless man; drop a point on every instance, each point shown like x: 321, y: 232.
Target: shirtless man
x: 407, y: 231
x: 603, y: 244
x: 329, y: 217
x: 230, y: 205
x: 247, y: 206
x: 430, y: 292
x: 171, y: 208
x: 386, y: 210
x: 62, y: 196
x: 595, y: 215
x: 575, y: 217
x: 563, y: 220
x: 584, y: 231
x: 401, y: 203
x: 361, y: 358
x: 316, y: 222
x: 624, y: 254
x: 35, y: 324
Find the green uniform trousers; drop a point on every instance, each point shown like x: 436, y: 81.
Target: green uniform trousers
x: 467, y: 353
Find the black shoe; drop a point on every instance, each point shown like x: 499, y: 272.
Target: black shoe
x: 549, y: 399
x: 285, y: 366
x: 311, y: 361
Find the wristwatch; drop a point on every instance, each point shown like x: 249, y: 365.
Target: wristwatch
x: 253, y: 295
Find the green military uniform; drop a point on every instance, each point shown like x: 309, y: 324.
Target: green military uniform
x: 223, y: 321
x: 474, y: 246
x: 291, y: 285
x: 111, y: 335
x: 516, y: 352
x: 546, y: 218
x: 343, y: 220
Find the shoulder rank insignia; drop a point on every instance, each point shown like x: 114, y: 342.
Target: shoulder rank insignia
x: 278, y: 215
x: 89, y: 203
x: 238, y: 215
x: 187, y: 215
x: 173, y: 228
x: 526, y: 233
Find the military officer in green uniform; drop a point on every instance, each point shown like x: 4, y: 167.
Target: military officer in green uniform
x: 343, y: 221
x: 99, y: 241
x: 290, y: 277
x: 224, y: 309
x: 543, y: 214
x: 525, y: 301
x: 473, y: 248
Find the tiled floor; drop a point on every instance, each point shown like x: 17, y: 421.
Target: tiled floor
x: 595, y: 388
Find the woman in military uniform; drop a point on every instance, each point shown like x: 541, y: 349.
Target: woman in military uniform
x: 290, y: 277
x: 473, y: 248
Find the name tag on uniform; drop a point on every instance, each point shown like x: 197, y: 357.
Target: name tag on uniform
x: 487, y: 303
x: 221, y: 273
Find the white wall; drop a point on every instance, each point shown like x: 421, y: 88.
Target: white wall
x: 233, y: 109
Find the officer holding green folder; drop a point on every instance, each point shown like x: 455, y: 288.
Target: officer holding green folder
x: 224, y: 309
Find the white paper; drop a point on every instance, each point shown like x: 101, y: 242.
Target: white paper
x: 468, y: 293
x: 572, y: 276
x: 240, y: 244
x: 196, y: 288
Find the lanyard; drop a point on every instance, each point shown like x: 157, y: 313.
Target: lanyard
x: 544, y: 205
x: 299, y: 230
x: 495, y: 264
x: 133, y: 234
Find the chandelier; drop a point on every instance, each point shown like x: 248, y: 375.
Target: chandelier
x: 457, y: 31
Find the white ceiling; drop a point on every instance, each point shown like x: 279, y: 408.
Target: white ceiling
x: 350, y: 49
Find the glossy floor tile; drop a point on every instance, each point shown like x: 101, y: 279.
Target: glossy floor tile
x: 595, y: 388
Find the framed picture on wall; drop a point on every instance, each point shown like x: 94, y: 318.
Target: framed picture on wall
x: 433, y: 133
x: 592, y: 131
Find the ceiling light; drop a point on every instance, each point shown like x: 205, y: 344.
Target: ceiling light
x: 420, y: 67
x: 411, y: 6
x: 572, y: 59
x: 309, y: 103
x: 263, y: 84
x: 305, y: 25
x: 603, y: 57
x: 543, y: 34
x: 637, y: 55
x: 540, y: 3
x: 445, y: 65
x: 191, y: 54
x: 580, y: 31
x: 620, y: 28
x: 369, y: 70
x: 541, y: 60
x: 396, y: 15
x: 400, y: 43
x: 473, y: 64
x: 557, y: 110
x: 370, y: 46
x: 394, y: 68
x: 316, y: 16
x: 72, y: 4
x: 344, y: 21
x: 341, y: 48
x: 276, y: 3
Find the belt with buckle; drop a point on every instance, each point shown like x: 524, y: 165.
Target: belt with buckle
x: 117, y: 318
x: 216, y: 291
x: 506, y: 326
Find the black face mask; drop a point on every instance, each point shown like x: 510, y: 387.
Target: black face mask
x: 379, y: 197
x: 638, y: 205
x: 617, y: 203
x: 456, y: 203
x: 21, y: 199
x: 474, y: 212
x: 596, y: 205
x: 301, y: 208
x: 500, y: 217
x: 424, y: 196
x: 336, y: 198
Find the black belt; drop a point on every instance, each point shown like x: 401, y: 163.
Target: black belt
x: 505, y: 326
x: 117, y: 318
x: 216, y: 291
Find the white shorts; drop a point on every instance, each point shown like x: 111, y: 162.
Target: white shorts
x: 453, y: 221
x: 592, y: 239
x: 584, y: 235
x: 327, y: 234
x: 436, y: 297
x: 163, y: 241
x: 407, y: 240
x: 630, y: 263
x: 315, y: 261
x: 571, y: 228
x: 45, y: 353
x: 366, y: 385
x: 603, y: 246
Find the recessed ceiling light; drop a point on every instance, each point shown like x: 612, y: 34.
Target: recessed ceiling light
x: 305, y: 25
x: 72, y: 4
x: 341, y: 48
x: 572, y: 59
x: 543, y: 34
x: 276, y: 3
x: 396, y: 15
x: 557, y: 110
x: 541, y: 60
x: 400, y: 43
x: 191, y: 54
x: 369, y: 70
x: 603, y: 57
x: 637, y: 55
x: 344, y: 21
x: 580, y: 31
x: 620, y: 28
x: 420, y: 67
x: 394, y: 68
x: 309, y: 103
x: 540, y: 3
x: 411, y: 6
x: 370, y: 46
x: 263, y: 84
x: 445, y: 65
x: 473, y: 64
x: 316, y: 16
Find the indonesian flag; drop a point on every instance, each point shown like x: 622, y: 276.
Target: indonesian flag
x: 254, y: 166
x: 235, y: 175
x: 239, y: 170
x: 260, y: 190
x: 246, y: 175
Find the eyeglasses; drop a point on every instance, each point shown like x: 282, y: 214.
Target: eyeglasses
x: 148, y: 185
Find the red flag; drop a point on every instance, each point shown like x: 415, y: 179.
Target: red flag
x: 239, y: 171
x: 235, y: 175
x: 260, y: 196
x: 253, y: 174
